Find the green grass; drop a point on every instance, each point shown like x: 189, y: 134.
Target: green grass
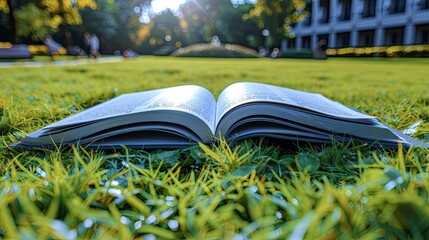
x: 43, y: 58
x: 210, y: 192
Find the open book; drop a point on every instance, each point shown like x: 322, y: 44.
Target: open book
x: 184, y: 115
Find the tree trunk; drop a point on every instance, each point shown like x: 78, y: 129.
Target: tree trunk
x: 12, y: 22
x: 63, y: 28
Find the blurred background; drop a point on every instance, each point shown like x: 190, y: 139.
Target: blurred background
x: 337, y: 27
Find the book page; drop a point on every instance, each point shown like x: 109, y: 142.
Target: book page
x: 319, y: 103
x: 246, y: 92
x: 192, y: 99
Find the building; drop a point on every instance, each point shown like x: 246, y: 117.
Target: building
x: 362, y: 23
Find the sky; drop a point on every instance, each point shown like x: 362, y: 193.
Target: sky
x: 157, y: 7
x: 160, y: 5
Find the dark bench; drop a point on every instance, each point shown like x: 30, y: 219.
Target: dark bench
x: 16, y: 52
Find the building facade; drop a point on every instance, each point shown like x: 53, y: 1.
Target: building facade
x: 363, y: 23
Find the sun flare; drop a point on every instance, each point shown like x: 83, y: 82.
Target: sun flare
x: 161, y: 5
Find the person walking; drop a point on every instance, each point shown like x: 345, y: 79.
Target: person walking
x: 95, y: 45
x: 53, y: 47
x: 87, y: 43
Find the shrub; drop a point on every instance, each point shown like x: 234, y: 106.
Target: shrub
x: 164, y: 51
x: 383, y: 51
x: 216, y: 51
x: 297, y: 53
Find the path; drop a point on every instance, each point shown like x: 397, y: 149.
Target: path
x: 71, y: 62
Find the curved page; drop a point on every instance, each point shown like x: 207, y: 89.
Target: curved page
x: 245, y: 92
x: 191, y: 99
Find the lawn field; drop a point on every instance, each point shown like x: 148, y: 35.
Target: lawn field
x: 250, y: 191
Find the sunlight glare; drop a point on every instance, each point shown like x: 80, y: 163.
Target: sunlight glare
x: 161, y: 5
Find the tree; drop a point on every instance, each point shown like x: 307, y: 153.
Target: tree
x: 7, y: 7
x: 133, y: 30
x: 278, y: 17
x: 205, y: 18
x: 37, y: 18
x: 4, y: 6
x: 103, y: 20
x: 231, y: 28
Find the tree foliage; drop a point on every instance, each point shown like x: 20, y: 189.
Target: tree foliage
x: 37, y: 18
x: 4, y: 6
x: 103, y: 20
x: 34, y: 21
x: 130, y: 29
x: 124, y: 23
x: 277, y: 16
x: 204, y: 18
x: 66, y: 10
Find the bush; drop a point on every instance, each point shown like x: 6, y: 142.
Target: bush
x: 164, y: 51
x: 383, y: 51
x: 216, y: 51
x: 297, y: 53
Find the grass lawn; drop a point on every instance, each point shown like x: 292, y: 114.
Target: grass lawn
x: 43, y: 58
x: 253, y: 190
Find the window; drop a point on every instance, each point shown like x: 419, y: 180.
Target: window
x: 394, y: 36
x: 424, y: 4
x: 346, y: 7
x: 306, y: 42
x: 324, y: 7
x: 366, y: 38
x: 422, y: 34
x: 343, y: 39
x: 425, y: 36
x: 397, y: 6
x: 369, y: 8
x: 291, y: 43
